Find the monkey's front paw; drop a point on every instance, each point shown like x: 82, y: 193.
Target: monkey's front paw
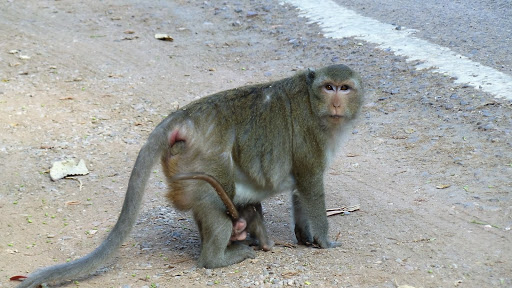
x: 324, y: 244
x: 303, y: 236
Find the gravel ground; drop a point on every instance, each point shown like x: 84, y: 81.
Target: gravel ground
x: 429, y: 161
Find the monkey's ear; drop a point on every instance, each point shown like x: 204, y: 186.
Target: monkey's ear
x: 310, y: 76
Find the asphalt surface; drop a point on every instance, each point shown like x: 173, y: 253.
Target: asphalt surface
x: 479, y: 30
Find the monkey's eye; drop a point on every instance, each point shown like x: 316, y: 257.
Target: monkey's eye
x: 344, y: 87
x: 329, y: 87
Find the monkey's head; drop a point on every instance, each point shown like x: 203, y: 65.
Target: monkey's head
x: 336, y: 93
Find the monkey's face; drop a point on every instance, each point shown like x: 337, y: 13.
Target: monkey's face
x: 339, y: 100
x: 337, y: 93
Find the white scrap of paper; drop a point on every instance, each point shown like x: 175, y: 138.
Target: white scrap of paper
x: 61, y: 169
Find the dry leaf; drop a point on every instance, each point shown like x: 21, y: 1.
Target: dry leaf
x: 443, y: 186
x: 17, y: 278
x: 164, y: 37
x: 61, y: 169
x: 73, y: 203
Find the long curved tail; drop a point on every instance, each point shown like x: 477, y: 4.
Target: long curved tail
x: 148, y: 155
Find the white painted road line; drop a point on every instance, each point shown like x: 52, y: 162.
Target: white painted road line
x: 338, y: 22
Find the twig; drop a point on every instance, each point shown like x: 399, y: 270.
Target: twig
x: 74, y: 178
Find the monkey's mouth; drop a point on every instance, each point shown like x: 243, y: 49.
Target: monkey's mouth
x: 335, y: 119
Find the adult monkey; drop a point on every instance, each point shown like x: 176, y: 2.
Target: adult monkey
x: 256, y: 141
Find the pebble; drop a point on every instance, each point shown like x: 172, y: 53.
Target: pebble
x: 448, y: 106
x: 251, y: 14
x: 208, y: 272
x: 486, y: 127
x: 486, y: 113
x: 394, y: 91
x: 145, y: 245
x: 489, y: 208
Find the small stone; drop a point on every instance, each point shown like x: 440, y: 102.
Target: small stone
x: 448, y: 106
x: 486, y: 113
x: 251, y: 14
x: 394, y: 91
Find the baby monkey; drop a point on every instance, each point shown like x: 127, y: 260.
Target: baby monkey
x: 251, y: 216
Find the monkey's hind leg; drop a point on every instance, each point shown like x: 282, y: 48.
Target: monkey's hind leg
x: 215, y: 228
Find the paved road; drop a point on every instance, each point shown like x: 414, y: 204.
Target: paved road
x: 423, y: 46
x: 478, y: 29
